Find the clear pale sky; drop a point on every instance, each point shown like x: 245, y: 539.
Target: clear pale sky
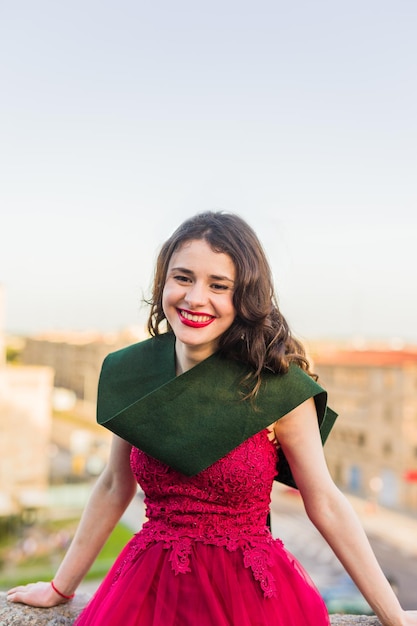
x: 120, y: 119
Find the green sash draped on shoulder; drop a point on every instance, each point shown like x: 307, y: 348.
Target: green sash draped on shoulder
x: 192, y: 420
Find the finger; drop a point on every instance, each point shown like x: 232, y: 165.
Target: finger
x: 24, y: 598
x: 13, y: 597
x: 14, y: 589
x: 19, y: 592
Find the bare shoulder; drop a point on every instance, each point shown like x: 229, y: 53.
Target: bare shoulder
x: 298, y: 435
x: 118, y: 463
x: 298, y: 422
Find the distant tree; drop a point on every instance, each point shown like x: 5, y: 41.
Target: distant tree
x: 12, y: 354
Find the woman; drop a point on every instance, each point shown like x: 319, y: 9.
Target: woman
x: 206, y: 413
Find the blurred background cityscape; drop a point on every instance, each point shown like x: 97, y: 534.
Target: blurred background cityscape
x: 52, y: 450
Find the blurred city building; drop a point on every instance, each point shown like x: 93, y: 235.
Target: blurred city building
x: 81, y: 446
x: 372, y: 451
x: 25, y: 427
x: 76, y: 357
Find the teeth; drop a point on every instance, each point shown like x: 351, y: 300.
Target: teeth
x: 195, y: 318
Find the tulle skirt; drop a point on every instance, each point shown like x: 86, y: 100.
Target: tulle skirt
x: 219, y: 590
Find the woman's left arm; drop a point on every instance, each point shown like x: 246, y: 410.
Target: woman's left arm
x: 299, y: 437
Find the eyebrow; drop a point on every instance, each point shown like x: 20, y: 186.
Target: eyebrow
x: 184, y: 270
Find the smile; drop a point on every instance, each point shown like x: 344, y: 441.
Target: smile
x: 196, y: 320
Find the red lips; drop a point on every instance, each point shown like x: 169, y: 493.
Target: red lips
x: 195, y: 320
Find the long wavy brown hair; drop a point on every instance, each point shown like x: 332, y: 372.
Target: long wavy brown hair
x: 259, y: 335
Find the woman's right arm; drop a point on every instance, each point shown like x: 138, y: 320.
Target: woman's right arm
x: 110, y: 497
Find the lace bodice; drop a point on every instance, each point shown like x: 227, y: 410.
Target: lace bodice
x: 225, y: 505
x: 230, y: 498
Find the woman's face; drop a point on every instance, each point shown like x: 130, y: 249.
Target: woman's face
x: 198, y: 296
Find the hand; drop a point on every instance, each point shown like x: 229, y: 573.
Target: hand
x: 38, y: 594
x: 410, y: 618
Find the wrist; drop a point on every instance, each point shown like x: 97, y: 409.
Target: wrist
x: 63, y: 594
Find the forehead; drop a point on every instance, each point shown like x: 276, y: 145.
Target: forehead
x: 199, y: 253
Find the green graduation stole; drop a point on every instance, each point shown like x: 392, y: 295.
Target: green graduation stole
x: 192, y: 420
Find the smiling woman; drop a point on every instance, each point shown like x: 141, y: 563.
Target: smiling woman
x: 206, y: 414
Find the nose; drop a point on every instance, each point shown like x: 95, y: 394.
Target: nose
x: 196, y: 295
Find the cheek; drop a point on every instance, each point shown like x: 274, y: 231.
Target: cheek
x: 232, y: 309
x: 164, y: 299
x: 168, y: 298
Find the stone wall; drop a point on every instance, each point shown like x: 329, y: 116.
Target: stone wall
x: 65, y: 614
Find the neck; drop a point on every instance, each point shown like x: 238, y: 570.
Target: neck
x: 187, y: 357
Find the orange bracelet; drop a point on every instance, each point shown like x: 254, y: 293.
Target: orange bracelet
x: 61, y: 594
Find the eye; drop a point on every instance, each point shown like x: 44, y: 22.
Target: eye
x: 219, y: 287
x: 182, y: 279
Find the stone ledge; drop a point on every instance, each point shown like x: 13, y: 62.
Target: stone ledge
x: 65, y: 614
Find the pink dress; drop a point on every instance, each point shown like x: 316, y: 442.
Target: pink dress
x: 205, y: 557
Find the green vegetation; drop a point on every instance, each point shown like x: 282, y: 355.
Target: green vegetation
x: 117, y: 540
x: 14, y: 348
x: 12, y: 355
x: 53, y: 538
